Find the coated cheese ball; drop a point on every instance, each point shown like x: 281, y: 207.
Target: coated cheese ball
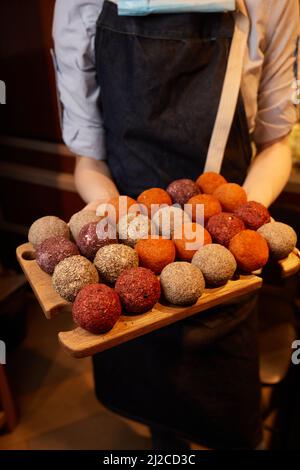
x: 53, y: 250
x: 250, y: 250
x: 112, y: 260
x: 132, y: 228
x: 182, y: 283
x: 71, y: 275
x: 193, y: 237
x: 230, y: 196
x: 182, y: 190
x: 154, y: 197
x: 139, y: 290
x: 80, y: 219
x: 155, y: 253
x: 118, y: 207
x: 211, y: 206
x: 216, y: 263
x: 222, y: 227
x: 47, y: 227
x: 253, y: 214
x: 210, y: 181
x: 281, y: 239
x: 168, y: 219
x: 97, y: 308
x: 93, y: 236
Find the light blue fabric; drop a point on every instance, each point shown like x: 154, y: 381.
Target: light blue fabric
x: 145, y: 7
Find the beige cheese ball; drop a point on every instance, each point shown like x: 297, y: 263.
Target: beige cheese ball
x: 132, y: 228
x: 80, y: 219
x: 72, y: 274
x: 47, y: 227
x: 168, y: 219
x: 112, y: 260
x: 182, y: 283
x: 281, y: 239
x: 216, y: 263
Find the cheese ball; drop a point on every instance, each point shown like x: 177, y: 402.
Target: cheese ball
x: 93, y: 236
x: 132, y: 228
x: 155, y: 253
x: 153, y: 197
x: 210, y: 181
x: 230, y: 196
x: 250, y: 250
x: 168, y: 219
x: 71, y: 275
x: 97, y: 308
x: 211, y: 206
x: 118, y: 207
x: 193, y: 237
x: 47, y: 227
x: 53, y: 250
x: 182, y: 283
x: 139, y: 290
x: 253, y: 214
x: 216, y: 263
x: 222, y: 227
x: 80, y: 219
x: 112, y: 260
x: 182, y: 190
x: 281, y: 239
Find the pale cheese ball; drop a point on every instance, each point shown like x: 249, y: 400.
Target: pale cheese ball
x: 182, y: 283
x: 47, y: 227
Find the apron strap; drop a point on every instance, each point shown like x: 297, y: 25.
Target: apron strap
x: 230, y: 91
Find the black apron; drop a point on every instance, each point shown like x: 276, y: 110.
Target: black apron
x: 161, y: 79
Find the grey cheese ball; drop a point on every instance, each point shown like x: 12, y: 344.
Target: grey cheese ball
x: 182, y: 283
x: 216, y: 263
x: 112, y: 260
x: 47, y: 227
x: 281, y: 239
x: 132, y: 228
x: 72, y: 274
x: 167, y: 219
x: 80, y: 219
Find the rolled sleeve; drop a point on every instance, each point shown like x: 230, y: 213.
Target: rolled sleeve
x: 276, y: 112
x: 74, y: 30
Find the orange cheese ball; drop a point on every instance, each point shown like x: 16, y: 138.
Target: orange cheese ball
x: 250, y: 250
x: 153, y: 196
x: 155, y: 253
x: 210, y: 203
x: 192, y: 233
x: 210, y: 181
x: 231, y: 196
x: 121, y: 202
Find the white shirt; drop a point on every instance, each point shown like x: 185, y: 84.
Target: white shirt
x: 269, y: 71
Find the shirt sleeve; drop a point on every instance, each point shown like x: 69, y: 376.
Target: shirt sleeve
x: 276, y: 111
x: 74, y: 31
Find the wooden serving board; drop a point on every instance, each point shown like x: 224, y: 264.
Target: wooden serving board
x: 80, y: 343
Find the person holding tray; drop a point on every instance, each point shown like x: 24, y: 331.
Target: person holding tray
x: 156, y: 91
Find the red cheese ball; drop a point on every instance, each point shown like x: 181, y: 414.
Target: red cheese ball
x: 139, y: 290
x: 53, y: 250
x: 94, y: 236
x: 182, y: 190
x: 97, y: 308
x: 223, y: 227
x: 210, y: 204
x: 253, y: 214
x: 250, y: 250
x: 210, y: 181
x: 230, y: 196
